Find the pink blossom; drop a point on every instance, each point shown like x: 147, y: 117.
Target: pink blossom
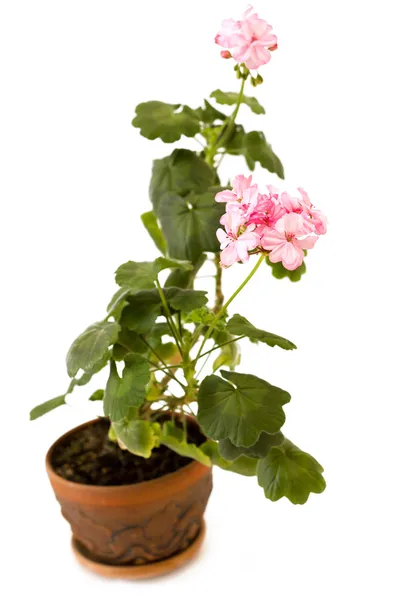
x: 237, y: 240
x: 315, y: 217
x: 267, y: 210
x: 287, y: 240
x: 249, y: 40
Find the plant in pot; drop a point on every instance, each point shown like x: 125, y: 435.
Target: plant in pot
x: 134, y: 483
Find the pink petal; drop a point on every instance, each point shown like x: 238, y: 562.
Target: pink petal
x: 223, y: 238
x: 272, y: 238
x: 229, y: 256
x: 226, y: 196
x: 306, y: 243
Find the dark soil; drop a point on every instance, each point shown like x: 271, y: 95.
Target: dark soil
x: 88, y: 456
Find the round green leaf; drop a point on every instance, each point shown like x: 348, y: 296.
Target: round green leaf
x: 288, y: 471
x: 258, y: 450
x: 240, y: 408
x: 180, y: 173
x: 190, y: 224
x: 166, y: 121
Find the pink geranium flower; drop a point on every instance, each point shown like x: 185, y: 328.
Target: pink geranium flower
x: 249, y: 40
x: 288, y: 240
x: 314, y: 216
x: 236, y: 241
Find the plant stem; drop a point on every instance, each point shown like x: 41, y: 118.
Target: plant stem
x: 219, y: 296
x: 227, y: 303
x: 210, y: 154
x: 171, y: 375
x: 169, y: 317
x: 220, y: 346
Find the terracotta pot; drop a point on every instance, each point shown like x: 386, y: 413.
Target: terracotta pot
x: 137, y: 530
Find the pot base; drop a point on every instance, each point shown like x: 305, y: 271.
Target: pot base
x: 147, y: 571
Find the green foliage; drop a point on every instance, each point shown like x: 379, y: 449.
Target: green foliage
x: 185, y: 279
x: 91, y: 346
x: 240, y: 408
x: 189, y: 224
x: 162, y: 263
x: 174, y: 438
x: 260, y: 151
x: 254, y: 148
x: 239, y: 325
x: 124, y: 392
x: 46, y: 407
x: 279, y: 271
x: 135, y: 275
x: 209, y: 114
x: 180, y: 173
x: 145, y: 306
x: 242, y: 465
x: 232, y: 97
x: 288, y: 471
x: 149, y: 220
x: 166, y: 121
x: 258, y: 450
x: 229, y: 355
x: 140, y: 437
x: 117, y: 303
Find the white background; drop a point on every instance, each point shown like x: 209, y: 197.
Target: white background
x: 74, y: 181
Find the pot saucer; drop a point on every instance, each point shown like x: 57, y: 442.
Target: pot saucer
x: 147, y: 571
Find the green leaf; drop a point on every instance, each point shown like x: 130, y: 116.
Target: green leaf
x: 239, y: 325
x: 232, y: 98
x: 117, y: 303
x: 166, y: 121
x: 149, y: 220
x: 97, y: 395
x: 121, y: 393
x: 170, y: 263
x: 209, y: 114
x: 190, y: 224
x: 185, y: 300
x: 174, y: 438
x: 140, y: 437
x: 288, y: 471
x: 242, y: 465
x: 180, y: 173
x: 259, y: 150
x: 229, y: 356
x: 258, y: 450
x: 46, y: 407
x: 142, y: 311
x: 145, y: 306
x: 91, y: 346
x: 236, y: 145
x: 240, y: 408
x: 135, y: 275
x: 185, y: 279
x: 279, y: 271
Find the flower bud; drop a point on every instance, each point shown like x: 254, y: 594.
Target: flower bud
x: 272, y: 48
x: 226, y: 54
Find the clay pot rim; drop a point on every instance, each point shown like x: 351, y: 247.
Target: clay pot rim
x: 107, y: 489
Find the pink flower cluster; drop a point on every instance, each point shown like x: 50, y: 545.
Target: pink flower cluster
x: 275, y: 222
x: 248, y: 41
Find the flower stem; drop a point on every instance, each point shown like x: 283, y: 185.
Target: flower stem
x: 169, y: 318
x: 227, y: 303
x: 210, y: 154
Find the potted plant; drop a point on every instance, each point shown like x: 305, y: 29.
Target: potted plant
x: 134, y: 483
